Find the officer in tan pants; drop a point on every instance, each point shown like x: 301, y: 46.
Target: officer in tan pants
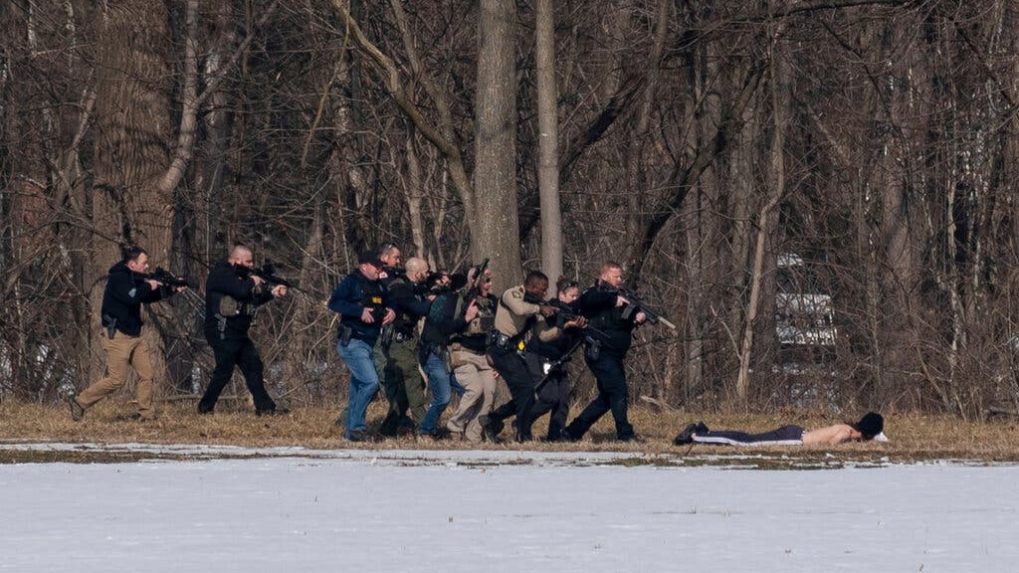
x: 127, y: 288
x: 470, y: 365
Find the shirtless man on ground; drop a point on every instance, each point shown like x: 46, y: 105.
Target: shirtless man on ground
x: 870, y: 427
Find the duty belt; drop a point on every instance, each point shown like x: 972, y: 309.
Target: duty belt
x: 500, y: 340
x: 504, y: 342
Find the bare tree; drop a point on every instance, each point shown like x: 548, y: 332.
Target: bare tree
x: 548, y: 129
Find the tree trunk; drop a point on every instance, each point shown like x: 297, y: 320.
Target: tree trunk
x: 548, y: 162
x: 212, y: 153
x: 495, y: 144
x: 133, y: 133
x: 765, y: 220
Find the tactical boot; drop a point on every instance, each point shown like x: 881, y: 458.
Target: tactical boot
x: 568, y: 436
x: 437, y: 434
x: 358, y: 436
x: 490, y: 428
x: 77, y: 412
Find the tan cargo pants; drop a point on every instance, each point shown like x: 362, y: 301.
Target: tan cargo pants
x: 121, y: 352
x: 481, y: 393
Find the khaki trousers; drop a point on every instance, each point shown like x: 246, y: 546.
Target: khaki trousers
x: 121, y: 352
x: 473, y: 372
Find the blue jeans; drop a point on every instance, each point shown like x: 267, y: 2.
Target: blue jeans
x: 364, y: 381
x: 457, y: 387
x: 439, y: 382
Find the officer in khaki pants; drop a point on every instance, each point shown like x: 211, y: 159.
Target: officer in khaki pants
x: 127, y: 288
x: 470, y: 365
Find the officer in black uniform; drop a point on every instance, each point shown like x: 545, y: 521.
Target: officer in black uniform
x: 231, y: 296
x: 547, y: 360
x: 610, y: 338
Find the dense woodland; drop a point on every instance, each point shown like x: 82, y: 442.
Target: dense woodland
x: 694, y: 141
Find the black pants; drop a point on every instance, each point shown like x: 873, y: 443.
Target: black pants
x: 553, y: 396
x: 786, y: 435
x: 612, y: 397
x: 513, y: 369
x: 240, y: 352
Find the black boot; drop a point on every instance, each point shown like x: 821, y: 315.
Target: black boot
x: 686, y: 436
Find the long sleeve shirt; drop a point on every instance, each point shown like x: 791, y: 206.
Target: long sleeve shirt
x: 355, y: 293
x: 126, y: 291
x: 514, y: 312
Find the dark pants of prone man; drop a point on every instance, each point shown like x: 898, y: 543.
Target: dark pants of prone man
x: 784, y: 436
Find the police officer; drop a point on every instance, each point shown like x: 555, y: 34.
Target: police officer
x: 232, y: 293
x: 546, y: 356
x: 127, y: 289
x: 359, y: 299
x: 442, y: 322
x: 519, y: 308
x: 610, y: 339
x: 404, y: 386
x: 471, y: 369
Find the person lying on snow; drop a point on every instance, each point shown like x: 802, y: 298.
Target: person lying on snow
x: 870, y: 427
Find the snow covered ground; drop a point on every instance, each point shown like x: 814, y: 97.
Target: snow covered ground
x: 500, y: 511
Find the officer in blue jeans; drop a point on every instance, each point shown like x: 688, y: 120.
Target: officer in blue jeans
x: 360, y: 300
x: 444, y: 319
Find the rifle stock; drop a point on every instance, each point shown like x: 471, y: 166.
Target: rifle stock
x: 638, y: 305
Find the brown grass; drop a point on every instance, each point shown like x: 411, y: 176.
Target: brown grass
x: 914, y: 437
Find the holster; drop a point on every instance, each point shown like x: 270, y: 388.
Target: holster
x: 593, y: 349
x: 386, y: 336
x: 221, y: 326
x: 346, y: 333
x: 110, y: 324
x: 501, y: 341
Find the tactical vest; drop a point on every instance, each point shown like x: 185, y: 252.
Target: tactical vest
x: 371, y: 297
x: 484, y: 322
x: 403, y: 323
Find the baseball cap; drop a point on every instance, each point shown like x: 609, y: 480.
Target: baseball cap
x: 371, y: 258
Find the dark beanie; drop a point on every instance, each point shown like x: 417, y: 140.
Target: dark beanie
x: 870, y: 425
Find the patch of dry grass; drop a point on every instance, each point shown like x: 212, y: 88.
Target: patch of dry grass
x: 914, y: 437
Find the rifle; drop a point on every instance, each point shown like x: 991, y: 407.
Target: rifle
x: 267, y: 272
x: 478, y: 272
x: 638, y: 305
x: 435, y: 286
x: 557, y: 364
x: 168, y: 279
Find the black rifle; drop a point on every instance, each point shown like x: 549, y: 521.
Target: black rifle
x: 478, y: 271
x: 267, y: 272
x: 168, y: 279
x: 434, y: 282
x: 557, y: 364
x: 638, y: 305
